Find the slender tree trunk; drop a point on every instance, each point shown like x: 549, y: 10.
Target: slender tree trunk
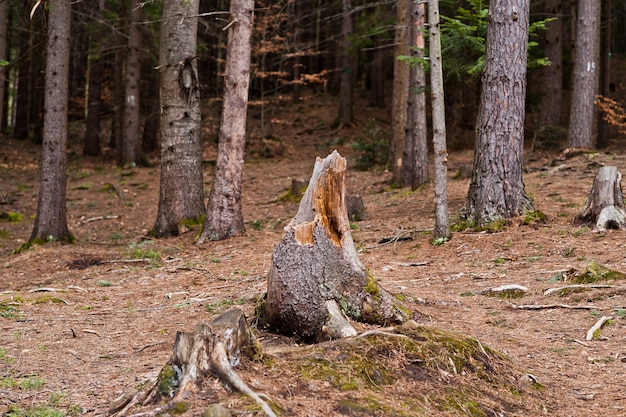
x: 497, y: 190
x: 24, y: 81
x: 128, y: 153
x: 605, y: 70
x: 4, y: 15
x: 92, y: 133
x: 347, y: 65
x: 550, y: 107
x: 181, y: 195
x: 224, y: 217
x: 414, y: 170
x: 400, y: 97
x: 51, y: 220
x: 582, y: 110
x: 442, y: 223
x: 377, y: 78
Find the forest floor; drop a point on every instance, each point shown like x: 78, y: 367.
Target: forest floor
x: 116, y: 298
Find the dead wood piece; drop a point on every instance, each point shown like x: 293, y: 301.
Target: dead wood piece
x: 316, y: 262
x: 96, y: 218
x: 576, y: 286
x: 592, y: 332
x: 505, y: 288
x: 212, y: 350
x: 605, y: 205
x: 551, y: 306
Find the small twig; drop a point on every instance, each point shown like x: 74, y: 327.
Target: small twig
x: 411, y: 263
x: 580, y: 342
x: 381, y: 333
x: 90, y: 331
x: 575, y: 286
x: 549, y: 306
x: 44, y: 289
x: 596, y: 327
x: 116, y: 261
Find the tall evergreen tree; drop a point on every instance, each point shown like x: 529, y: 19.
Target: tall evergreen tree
x: 51, y: 220
x: 224, y: 217
x: 582, y: 109
x: 497, y: 190
x: 181, y: 195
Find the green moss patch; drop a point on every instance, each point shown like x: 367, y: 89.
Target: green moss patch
x: 595, y: 272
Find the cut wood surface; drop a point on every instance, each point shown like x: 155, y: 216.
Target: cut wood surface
x: 605, y: 205
x: 316, y: 262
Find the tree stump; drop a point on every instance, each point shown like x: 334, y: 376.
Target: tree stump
x: 316, y: 278
x: 212, y: 350
x: 605, y: 206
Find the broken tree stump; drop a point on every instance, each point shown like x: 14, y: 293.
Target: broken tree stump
x: 605, y: 206
x: 211, y: 351
x: 316, y: 278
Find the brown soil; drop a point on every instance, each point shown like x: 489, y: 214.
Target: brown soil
x: 110, y: 324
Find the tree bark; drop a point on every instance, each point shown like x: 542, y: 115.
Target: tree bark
x: 400, y: 94
x: 92, y: 132
x: 496, y: 190
x: 347, y: 66
x: 51, y: 219
x: 181, y: 195
x: 442, y: 222
x: 582, y: 110
x: 605, y: 69
x: 414, y: 170
x: 4, y: 18
x: 224, y: 217
x: 128, y: 153
x: 316, y: 275
x: 605, y: 205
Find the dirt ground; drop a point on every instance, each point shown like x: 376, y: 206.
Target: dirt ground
x: 119, y: 297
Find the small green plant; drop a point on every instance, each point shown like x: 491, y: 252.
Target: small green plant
x: 256, y: 224
x: 11, y: 217
x: 103, y: 283
x: 534, y: 217
x: 439, y: 241
x: 32, y: 383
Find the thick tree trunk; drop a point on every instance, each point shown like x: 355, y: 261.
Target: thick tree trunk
x: 552, y: 80
x: 400, y: 93
x: 497, y: 190
x: 51, y: 220
x: 414, y: 171
x: 128, y: 153
x: 316, y: 275
x: 347, y: 66
x: 582, y: 110
x: 224, y: 217
x: 181, y: 195
x: 605, y: 206
x: 442, y: 222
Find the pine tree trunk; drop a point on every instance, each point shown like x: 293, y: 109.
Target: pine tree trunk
x: 316, y: 277
x: 442, y: 223
x: 582, y: 111
x: 92, y: 132
x: 347, y: 67
x: 400, y: 93
x: 181, y: 195
x: 497, y: 190
x: 414, y: 171
x: 128, y: 153
x: 224, y: 217
x: 21, y: 129
x: 51, y: 220
x: 4, y: 18
x: 552, y: 81
x: 605, y: 70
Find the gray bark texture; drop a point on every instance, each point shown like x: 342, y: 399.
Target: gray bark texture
x: 582, y: 111
x: 414, y: 170
x: 315, y: 267
x: 51, y: 220
x: 496, y: 190
x: 181, y: 195
x: 128, y: 152
x: 442, y: 222
x: 605, y: 205
x: 224, y: 217
x: 400, y: 94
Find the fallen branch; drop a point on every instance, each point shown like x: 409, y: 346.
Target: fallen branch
x: 512, y: 288
x: 591, y: 333
x: 549, y: 306
x: 576, y: 286
x: 96, y: 218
